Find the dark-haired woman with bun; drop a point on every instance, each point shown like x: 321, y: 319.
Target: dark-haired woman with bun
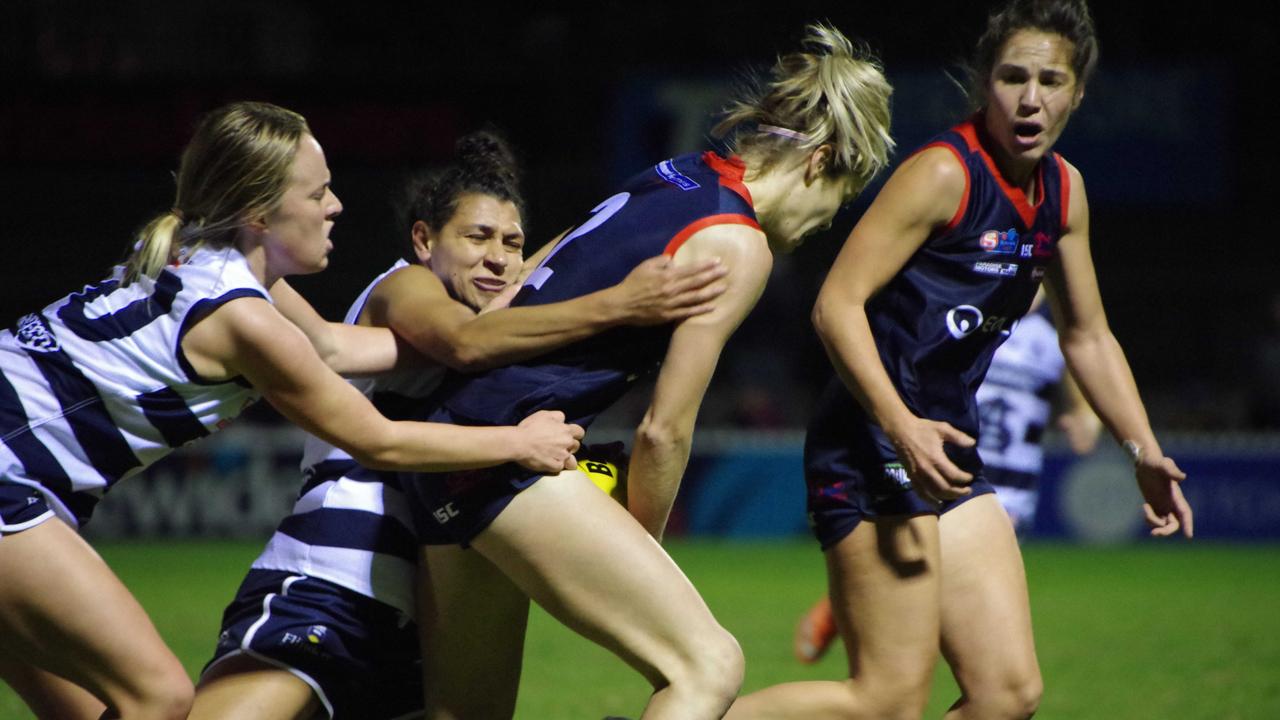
x: 196, y: 325
x: 947, y: 258
x: 323, y: 623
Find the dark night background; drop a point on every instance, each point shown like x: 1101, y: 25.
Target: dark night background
x: 1173, y: 139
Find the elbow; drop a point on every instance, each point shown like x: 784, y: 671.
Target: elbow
x: 823, y: 319
x: 374, y: 458
x: 378, y: 454
x: 332, y: 359
x: 659, y: 434
x: 468, y: 357
x: 1077, y: 344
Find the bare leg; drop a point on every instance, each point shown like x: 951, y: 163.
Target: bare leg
x: 986, y: 617
x: 472, y: 622
x: 584, y: 559
x: 884, y: 584
x: 48, y: 695
x: 243, y: 687
x: 62, y: 610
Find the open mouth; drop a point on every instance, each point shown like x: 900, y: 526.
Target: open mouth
x: 1027, y: 130
x: 490, y: 285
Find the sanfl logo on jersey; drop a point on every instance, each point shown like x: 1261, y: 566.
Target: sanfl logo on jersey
x: 1001, y: 243
x: 667, y: 171
x: 33, y: 334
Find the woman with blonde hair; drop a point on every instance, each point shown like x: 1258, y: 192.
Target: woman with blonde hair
x: 195, y: 326
x: 806, y: 143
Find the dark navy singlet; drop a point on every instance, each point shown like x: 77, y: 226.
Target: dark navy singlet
x: 940, y: 319
x: 653, y: 214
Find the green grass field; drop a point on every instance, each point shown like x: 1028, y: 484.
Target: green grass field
x: 1188, y: 631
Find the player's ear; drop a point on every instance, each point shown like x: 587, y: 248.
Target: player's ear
x: 818, y: 163
x: 423, y: 241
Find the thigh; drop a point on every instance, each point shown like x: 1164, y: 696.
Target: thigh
x: 64, y: 611
x: 583, y: 558
x: 472, y: 621
x: 986, y: 616
x: 241, y: 687
x: 884, y: 584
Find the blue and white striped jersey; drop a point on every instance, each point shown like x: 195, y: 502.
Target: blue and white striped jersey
x: 350, y: 525
x: 1014, y: 401
x: 95, y: 387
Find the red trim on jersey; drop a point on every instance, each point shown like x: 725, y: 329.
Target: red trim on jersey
x: 1026, y: 209
x: 1065, y: 190
x: 731, y: 171
x: 954, y: 222
x: 702, y: 223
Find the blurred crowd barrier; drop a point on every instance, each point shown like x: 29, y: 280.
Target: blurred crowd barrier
x: 740, y: 484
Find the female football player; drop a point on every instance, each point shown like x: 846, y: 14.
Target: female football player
x: 926, y: 287
x: 198, y: 323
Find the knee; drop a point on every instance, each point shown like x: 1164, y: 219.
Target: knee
x: 896, y: 696
x: 166, y: 694
x: 1014, y: 699
x: 1022, y: 699
x: 713, y: 667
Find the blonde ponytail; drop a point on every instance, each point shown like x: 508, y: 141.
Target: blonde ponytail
x: 830, y: 92
x: 234, y: 171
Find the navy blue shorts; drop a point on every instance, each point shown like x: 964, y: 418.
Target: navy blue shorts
x: 360, y: 656
x: 453, y: 508
x: 852, y: 474
x: 21, y: 507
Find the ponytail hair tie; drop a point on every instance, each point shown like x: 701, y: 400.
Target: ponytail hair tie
x: 784, y: 132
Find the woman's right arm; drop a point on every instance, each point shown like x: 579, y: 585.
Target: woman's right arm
x: 248, y: 337
x: 416, y: 305
x: 921, y: 196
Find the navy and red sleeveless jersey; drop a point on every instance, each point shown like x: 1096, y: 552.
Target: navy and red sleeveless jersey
x: 653, y: 214
x: 940, y: 319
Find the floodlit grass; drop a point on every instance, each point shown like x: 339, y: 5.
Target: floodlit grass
x: 1150, y: 631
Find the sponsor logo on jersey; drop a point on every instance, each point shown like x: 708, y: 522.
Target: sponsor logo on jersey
x: 33, y: 334
x: 965, y: 320
x: 1037, y: 272
x: 1044, y: 245
x: 962, y: 320
x: 667, y: 171
x: 316, y: 633
x: 995, y: 268
x: 1025, y: 250
x: 999, y: 242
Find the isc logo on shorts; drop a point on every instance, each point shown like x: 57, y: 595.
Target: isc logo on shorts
x: 445, y: 514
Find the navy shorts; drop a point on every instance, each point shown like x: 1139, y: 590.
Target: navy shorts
x: 852, y: 474
x: 453, y: 508
x: 360, y: 656
x: 21, y: 507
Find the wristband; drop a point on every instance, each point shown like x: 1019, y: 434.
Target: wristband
x: 1133, y: 449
